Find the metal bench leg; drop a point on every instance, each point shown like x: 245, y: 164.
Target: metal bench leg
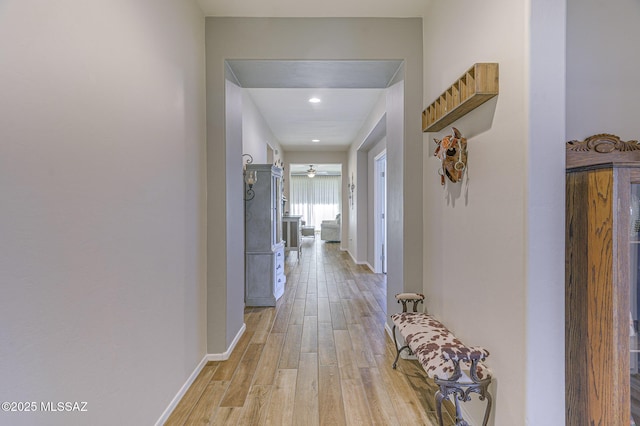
x: 395, y: 342
x: 460, y: 421
x: 487, y: 411
x: 462, y: 392
x: 439, y: 398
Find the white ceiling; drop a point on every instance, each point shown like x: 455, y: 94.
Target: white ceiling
x: 295, y: 122
x: 281, y: 90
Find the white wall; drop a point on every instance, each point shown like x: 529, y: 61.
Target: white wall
x: 359, y: 204
x: 602, y: 68
x: 545, y: 213
x: 225, y: 287
x: 102, y: 180
x: 356, y: 213
x: 256, y: 134
x: 482, y: 262
x: 368, y: 135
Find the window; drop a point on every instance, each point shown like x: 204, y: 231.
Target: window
x: 316, y: 199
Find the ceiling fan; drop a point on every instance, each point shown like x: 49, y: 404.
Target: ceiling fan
x: 311, y: 172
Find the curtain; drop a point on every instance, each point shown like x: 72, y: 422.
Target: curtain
x: 316, y: 199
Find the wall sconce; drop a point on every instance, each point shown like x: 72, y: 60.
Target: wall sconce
x: 250, y: 177
x: 351, y: 187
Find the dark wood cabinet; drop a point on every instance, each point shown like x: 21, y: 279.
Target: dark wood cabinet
x: 601, y: 282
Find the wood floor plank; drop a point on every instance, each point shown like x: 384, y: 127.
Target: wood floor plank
x: 297, y: 313
x: 301, y: 292
x: 280, y: 409
x: 312, y: 285
x: 361, y: 307
x: 309, y: 341
x: 326, y: 345
x: 204, y: 411
x: 263, y: 325
x: 305, y: 410
x: 382, y: 410
x: 191, y: 396
x: 343, y: 290
x: 311, y: 305
x: 291, y: 350
x: 255, y: 408
x: 330, y: 405
x: 407, y: 405
x: 344, y: 352
x: 282, y: 317
x: 332, y: 290
x: 371, y: 301
x: 269, y: 360
x: 241, y: 381
x: 322, y: 288
x: 337, y: 316
x: 324, y: 310
x: 356, y: 407
x: 350, y: 310
x: 361, y: 349
x: 376, y: 335
x: 227, y: 416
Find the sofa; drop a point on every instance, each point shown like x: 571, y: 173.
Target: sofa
x: 330, y: 229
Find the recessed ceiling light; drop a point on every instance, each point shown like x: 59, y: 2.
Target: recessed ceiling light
x: 315, y: 140
x: 314, y: 100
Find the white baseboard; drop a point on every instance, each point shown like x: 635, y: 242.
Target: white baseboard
x: 176, y: 399
x: 358, y: 262
x: 388, y: 330
x: 225, y: 355
x: 208, y: 357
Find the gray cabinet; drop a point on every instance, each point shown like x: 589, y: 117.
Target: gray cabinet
x: 264, y: 247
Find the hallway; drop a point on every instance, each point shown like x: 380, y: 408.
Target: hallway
x: 321, y: 357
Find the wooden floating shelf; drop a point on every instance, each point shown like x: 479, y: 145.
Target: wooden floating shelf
x: 475, y: 87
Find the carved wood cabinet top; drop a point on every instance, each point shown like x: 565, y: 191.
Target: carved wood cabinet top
x: 600, y: 149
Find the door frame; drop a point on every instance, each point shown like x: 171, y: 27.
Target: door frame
x: 380, y: 213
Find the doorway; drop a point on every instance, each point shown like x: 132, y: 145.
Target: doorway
x: 315, y: 192
x: 282, y: 42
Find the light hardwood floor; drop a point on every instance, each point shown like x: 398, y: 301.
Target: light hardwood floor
x: 320, y: 357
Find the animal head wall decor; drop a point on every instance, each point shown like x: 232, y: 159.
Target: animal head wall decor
x: 452, y: 153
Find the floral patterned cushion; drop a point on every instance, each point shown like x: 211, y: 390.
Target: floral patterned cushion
x: 436, y: 347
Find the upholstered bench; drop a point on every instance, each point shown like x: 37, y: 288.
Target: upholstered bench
x: 457, y: 369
